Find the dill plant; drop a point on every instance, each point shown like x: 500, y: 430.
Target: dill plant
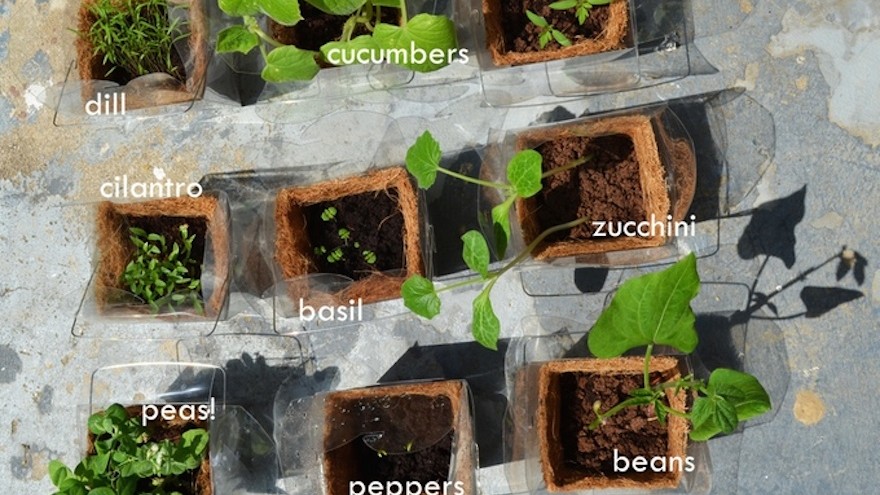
x: 136, y: 36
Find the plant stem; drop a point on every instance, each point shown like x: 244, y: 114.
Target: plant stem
x: 676, y: 412
x: 403, y: 15
x: 495, y: 185
x: 463, y: 283
x: 265, y: 37
x: 648, y: 352
x: 570, y: 165
x: 632, y: 401
x: 538, y: 240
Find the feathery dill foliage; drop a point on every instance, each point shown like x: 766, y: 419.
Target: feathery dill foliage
x: 136, y: 36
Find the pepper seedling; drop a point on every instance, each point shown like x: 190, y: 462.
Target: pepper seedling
x: 427, y: 33
x: 654, y: 309
x: 548, y: 32
x: 124, y: 457
x: 524, y: 180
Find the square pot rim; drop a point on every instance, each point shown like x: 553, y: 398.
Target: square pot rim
x: 677, y: 430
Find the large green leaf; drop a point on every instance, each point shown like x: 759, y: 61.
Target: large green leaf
x: 285, y: 12
x: 289, y: 63
x: 475, y: 252
x: 742, y: 390
x: 232, y: 39
x: 524, y: 173
x: 486, y: 328
x: 423, y: 160
x: 338, y: 7
x: 426, y: 40
x: 239, y: 8
x: 711, y: 416
x: 650, y: 309
x: 420, y: 297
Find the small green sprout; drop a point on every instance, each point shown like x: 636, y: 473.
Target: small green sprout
x: 344, y: 234
x: 409, y: 445
x: 335, y: 255
x: 582, y: 7
x: 328, y: 214
x: 162, y: 273
x: 381, y: 453
x: 548, y: 32
x: 369, y: 257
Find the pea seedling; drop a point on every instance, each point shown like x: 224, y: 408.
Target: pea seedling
x: 285, y: 63
x: 124, y: 456
x: 654, y: 309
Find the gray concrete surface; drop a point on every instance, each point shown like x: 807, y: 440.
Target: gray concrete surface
x: 811, y: 64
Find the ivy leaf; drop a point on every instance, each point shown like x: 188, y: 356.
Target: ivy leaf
x: 742, y: 390
x: 423, y: 160
x: 337, y: 7
x: 289, y: 63
x: 284, y: 12
x: 236, y: 39
x: 650, y: 309
x: 501, y: 226
x: 524, y: 173
x: 426, y: 39
x: 420, y: 297
x: 475, y: 252
x: 336, y: 52
x: 485, y: 327
x: 239, y: 8
x: 711, y: 416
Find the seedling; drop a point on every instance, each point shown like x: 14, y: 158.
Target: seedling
x: 524, y: 175
x: 426, y: 33
x: 136, y: 36
x: 338, y: 253
x: 162, y: 272
x: 548, y: 32
x: 654, y: 309
x: 581, y: 7
x: 124, y: 457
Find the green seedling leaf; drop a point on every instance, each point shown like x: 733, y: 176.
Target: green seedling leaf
x: 560, y: 38
x: 524, y: 173
x: 289, y: 63
x: 485, y: 327
x: 501, y: 226
x: 599, y: 2
x: 423, y: 160
x: 237, y: 39
x: 239, y: 8
x: 102, y: 491
x: 284, y: 12
x: 387, y: 3
x: 194, y: 441
x: 351, y: 52
x: 475, y: 252
x: 742, y: 390
x: 650, y: 309
x: 432, y: 37
x: 337, y: 7
x: 711, y: 416
x: 420, y: 297
x: 58, y: 472
x: 536, y: 19
x: 563, y: 4
x: 544, y: 38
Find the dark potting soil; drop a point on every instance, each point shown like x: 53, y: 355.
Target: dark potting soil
x: 635, y: 431
x: 521, y: 35
x: 375, y: 224
x: 169, y: 227
x: 429, y: 421
x: 605, y: 188
x: 318, y: 28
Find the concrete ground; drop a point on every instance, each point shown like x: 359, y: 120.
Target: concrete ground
x: 800, y: 137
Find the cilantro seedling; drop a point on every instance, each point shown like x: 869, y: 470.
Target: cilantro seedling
x: 136, y: 37
x: 124, y: 457
x: 654, y: 309
x: 547, y: 31
x: 524, y: 176
x: 286, y: 63
x: 581, y: 7
x: 162, y: 272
